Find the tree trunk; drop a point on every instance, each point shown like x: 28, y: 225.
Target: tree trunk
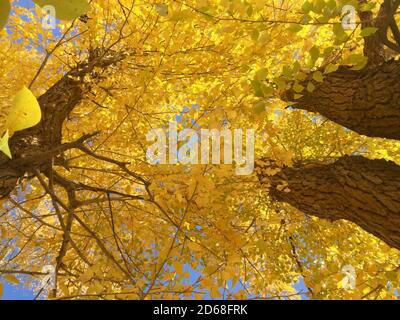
x: 32, y: 148
x: 366, y: 101
x: 360, y: 190
x: 366, y: 192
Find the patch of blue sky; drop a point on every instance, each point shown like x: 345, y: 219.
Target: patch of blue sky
x: 17, y: 292
x: 300, y: 286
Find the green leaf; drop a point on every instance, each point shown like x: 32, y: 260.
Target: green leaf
x: 25, y: 111
x: 294, y: 27
x: 331, y: 4
x: 327, y: 51
x: 298, y: 87
x: 318, y: 6
x: 301, y: 76
x: 268, y: 90
x: 366, y: 32
x: 66, y: 9
x: 4, y: 145
x: 254, y: 34
x: 249, y: 10
x: 296, y: 67
x: 5, y: 8
x: 367, y: 6
x: 287, y: 71
x: 280, y: 83
x: 310, y: 87
x: 340, y: 34
x: 257, y: 88
x: 306, y: 7
x: 259, y: 107
x: 261, y: 74
x: 331, y: 68
x: 305, y: 19
x: 314, y: 53
x: 357, y: 60
x: 317, y: 76
x: 360, y: 65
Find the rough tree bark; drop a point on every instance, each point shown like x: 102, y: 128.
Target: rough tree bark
x: 365, y: 101
x: 35, y: 147
x: 360, y: 190
x: 353, y: 188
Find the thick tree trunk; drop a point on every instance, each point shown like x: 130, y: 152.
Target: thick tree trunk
x: 360, y: 190
x: 366, y: 192
x: 366, y: 101
x: 30, y: 148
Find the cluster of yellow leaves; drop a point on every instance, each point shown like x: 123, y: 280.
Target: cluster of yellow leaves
x: 194, y: 231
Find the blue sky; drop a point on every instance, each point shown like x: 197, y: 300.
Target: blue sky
x: 16, y: 292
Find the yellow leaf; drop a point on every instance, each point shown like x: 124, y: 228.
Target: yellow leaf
x: 178, y: 267
x: 4, y: 145
x: 297, y: 96
x: 25, y: 111
x: 310, y: 87
x: 194, y: 246
x: 298, y: 87
x: 294, y: 28
x: 271, y: 171
x: 11, y: 278
x: 281, y: 187
x: 331, y: 68
x: 317, y: 76
x: 87, y: 275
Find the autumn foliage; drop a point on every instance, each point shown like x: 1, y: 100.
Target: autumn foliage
x: 78, y: 194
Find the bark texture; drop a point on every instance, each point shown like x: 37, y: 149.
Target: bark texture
x: 366, y: 101
x: 34, y: 148
x: 357, y: 189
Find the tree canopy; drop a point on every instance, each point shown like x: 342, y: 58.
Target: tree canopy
x: 320, y: 89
